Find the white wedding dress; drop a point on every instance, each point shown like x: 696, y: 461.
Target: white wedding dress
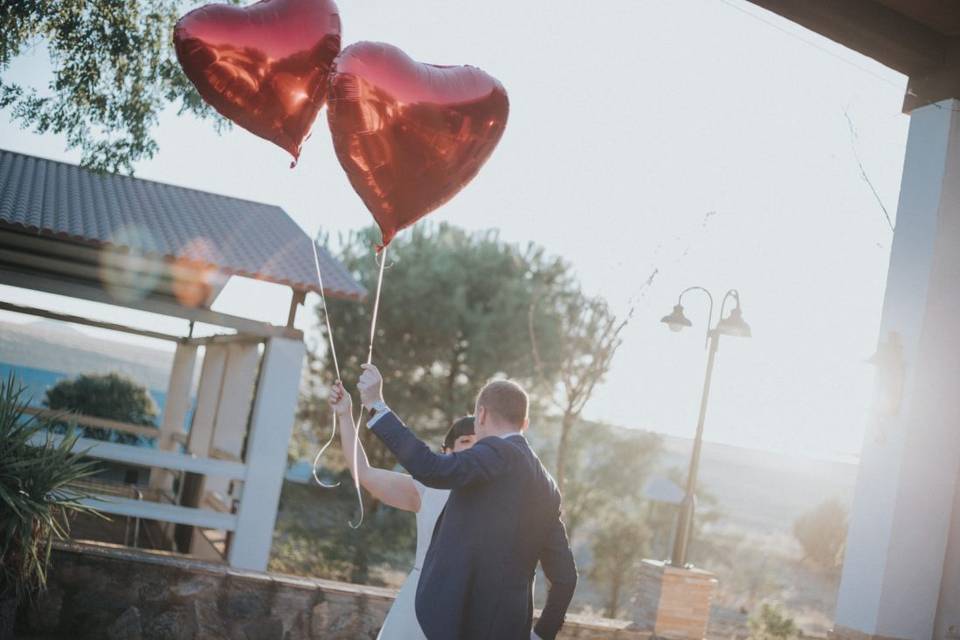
x: 401, y: 622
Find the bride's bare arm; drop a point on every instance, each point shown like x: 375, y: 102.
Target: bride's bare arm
x: 392, y: 488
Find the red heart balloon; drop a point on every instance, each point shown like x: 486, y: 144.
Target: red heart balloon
x: 410, y: 135
x: 266, y: 67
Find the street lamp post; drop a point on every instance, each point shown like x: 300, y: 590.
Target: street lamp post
x: 732, y: 325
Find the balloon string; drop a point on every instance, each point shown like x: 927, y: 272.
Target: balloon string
x: 376, y: 305
x: 356, y: 471
x: 326, y: 315
x: 373, y: 333
x: 336, y: 368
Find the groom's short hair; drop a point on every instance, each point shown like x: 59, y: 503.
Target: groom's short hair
x: 506, y: 399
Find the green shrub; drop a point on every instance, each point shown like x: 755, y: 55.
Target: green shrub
x: 36, y: 469
x: 772, y: 623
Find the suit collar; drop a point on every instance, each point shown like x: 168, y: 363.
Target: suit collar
x: 518, y: 438
x: 513, y: 438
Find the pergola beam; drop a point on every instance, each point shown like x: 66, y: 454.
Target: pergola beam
x: 85, y: 291
x: 223, y: 338
x: 869, y: 28
x: 931, y: 87
x: 65, y: 317
x: 57, y: 258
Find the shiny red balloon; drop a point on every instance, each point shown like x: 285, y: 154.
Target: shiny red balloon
x: 266, y: 67
x: 410, y: 135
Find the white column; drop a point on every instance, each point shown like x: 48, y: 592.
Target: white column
x: 911, y: 455
x: 948, y: 609
x: 271, y: 424
x: 201, y: 433
x: 176, y: 408
x: 236, y: 398
x: 208, y: 399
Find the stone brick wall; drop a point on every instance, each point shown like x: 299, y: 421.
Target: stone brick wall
x: 674, y: 603
x: 102, y: 591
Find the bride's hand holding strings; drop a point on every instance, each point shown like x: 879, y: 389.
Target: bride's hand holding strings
x: 392, y: 488
x: 340, y: 401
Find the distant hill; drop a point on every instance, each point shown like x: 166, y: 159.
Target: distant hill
x: 762, y: 491
x: 757, y: 492
x: 42, y: 353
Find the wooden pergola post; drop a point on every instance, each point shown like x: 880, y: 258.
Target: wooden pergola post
x: 175, y: 412
x: 233, y: 414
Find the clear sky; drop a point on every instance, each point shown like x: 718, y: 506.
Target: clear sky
x: 706, y: 139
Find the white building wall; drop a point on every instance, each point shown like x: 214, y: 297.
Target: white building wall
x: 897, y: 540
x: 948, y: 608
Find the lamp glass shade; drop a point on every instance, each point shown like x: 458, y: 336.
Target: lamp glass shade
x: 734, y: 325
x: 676, y: 320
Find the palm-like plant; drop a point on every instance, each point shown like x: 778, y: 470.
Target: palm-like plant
x: 36, y: 470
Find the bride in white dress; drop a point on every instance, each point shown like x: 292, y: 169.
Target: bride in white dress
x: 403, y: 492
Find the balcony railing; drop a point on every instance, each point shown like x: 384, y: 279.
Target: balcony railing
x: 222, y: 464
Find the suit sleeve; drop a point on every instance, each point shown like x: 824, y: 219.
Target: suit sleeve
x: 561, y: 573
x: 481, y: 463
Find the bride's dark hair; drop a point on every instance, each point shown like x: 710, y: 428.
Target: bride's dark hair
x: 460, y: 427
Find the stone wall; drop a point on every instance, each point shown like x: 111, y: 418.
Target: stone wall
x: 103, y: 591
x: 672, y: 602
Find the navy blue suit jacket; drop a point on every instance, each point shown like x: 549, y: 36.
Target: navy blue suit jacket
x: 501, y: 519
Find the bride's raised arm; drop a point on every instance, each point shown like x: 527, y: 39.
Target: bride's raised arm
x: 392, y: 488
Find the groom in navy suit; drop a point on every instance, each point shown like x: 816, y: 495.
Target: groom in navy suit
x: 501, y: 519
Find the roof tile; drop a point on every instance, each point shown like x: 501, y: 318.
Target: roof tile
x: 237, y: 236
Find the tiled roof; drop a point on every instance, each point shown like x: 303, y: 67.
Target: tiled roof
x: 239, y: 237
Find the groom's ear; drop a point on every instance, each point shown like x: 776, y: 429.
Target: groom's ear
x: 526, y: 423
